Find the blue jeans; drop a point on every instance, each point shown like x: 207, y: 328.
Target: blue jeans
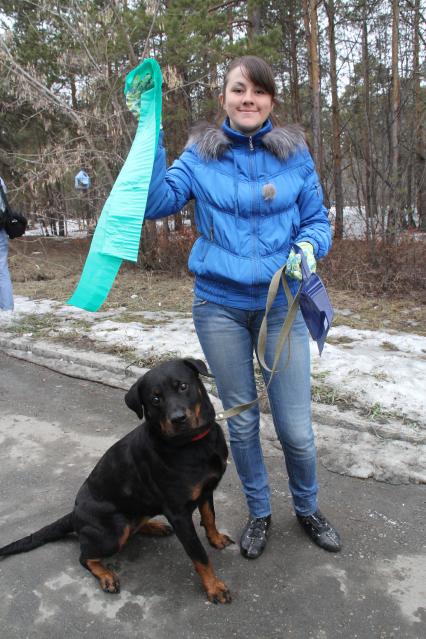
x: 228, y: 337
x: 6, y: 292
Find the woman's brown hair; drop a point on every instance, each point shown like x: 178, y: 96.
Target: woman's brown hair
x: 256, y: 70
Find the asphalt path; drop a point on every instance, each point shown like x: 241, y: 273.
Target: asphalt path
x: 53, y: 428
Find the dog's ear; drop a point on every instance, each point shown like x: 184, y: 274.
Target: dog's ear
x: 198, y: 366
x: 133, y: 399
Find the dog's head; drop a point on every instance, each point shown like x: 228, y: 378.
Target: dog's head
x: 173, y: 399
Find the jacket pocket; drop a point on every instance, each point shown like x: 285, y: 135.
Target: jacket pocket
x: 204, y: 250
x: 198, y: 255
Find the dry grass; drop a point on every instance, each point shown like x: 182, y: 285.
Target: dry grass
x: 379, y: 312
x: 393, y: 269
x: 48, y: 267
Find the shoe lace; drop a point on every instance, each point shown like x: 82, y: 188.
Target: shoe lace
x: 319, y: 518
x: 257, y: 528
x: 320, y: 523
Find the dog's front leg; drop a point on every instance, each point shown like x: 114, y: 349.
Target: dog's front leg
x: 216, y: 590
x: 208, y: 520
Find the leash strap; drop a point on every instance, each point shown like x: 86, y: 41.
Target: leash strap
x: 293, y: 304
x: 117, y: 234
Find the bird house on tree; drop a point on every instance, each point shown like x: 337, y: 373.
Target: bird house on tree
x: 82, y: 181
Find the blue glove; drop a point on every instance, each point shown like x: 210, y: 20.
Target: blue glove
x: 293, y: 269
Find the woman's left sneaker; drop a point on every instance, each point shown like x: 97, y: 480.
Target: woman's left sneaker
x: 321, y: 531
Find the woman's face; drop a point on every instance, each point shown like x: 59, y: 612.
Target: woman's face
x: 246, y: 105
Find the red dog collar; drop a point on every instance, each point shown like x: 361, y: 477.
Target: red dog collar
x: 200, y: 435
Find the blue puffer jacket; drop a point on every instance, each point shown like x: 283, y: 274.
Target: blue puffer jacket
x: 254, y: 197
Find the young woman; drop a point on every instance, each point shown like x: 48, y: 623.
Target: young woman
x: 256, y: 194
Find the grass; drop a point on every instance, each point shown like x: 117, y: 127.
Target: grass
x: 128, y: 317
x: 37, y: 325
x: 82, y: 342
x: 388, y: 346
x: 50, y: 268
x: 404, y: 314
x: 324, y: 393
x: 342, y: 339
x: 150, y: 360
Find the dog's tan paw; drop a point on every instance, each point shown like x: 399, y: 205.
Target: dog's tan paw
x: 164, y: 530
x: 219, y: 593
x: 110, y: 583
x: 220, y: 541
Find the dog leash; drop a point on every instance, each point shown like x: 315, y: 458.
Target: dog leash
x: 293, y: 302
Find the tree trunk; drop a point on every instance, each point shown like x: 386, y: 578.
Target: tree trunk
x: 419, y: 129
x: 229, y: 20
x: 337, y: 151
x: 288, y: 17
x: 74, y: 103
x: 366, y: 133
x: 311, y: 25
x: 115, y: 6
x: 394, y: 219
x: 254, y: 22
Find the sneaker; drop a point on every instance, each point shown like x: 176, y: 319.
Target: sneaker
x: 321, y: 531
x: 253, y: 539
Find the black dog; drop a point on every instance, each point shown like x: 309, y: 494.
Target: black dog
x: 168, y: 465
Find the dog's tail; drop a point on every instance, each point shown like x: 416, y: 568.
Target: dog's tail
x: 52, y: 532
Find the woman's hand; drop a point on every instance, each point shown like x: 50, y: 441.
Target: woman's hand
x: 133, y: 97
x: 293, y: 269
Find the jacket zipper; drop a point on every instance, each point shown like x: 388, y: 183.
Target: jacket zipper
x: 254, y: 222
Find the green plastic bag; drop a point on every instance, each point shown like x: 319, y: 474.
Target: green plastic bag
x: 117, y: 234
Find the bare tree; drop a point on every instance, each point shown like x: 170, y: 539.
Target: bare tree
x: 395, y: 215
x: 335, y: 116
x: 369, y: 181
x: 419, y: 129
x: 254, y: 19
x: 311, y: 27
x: 288, y: 22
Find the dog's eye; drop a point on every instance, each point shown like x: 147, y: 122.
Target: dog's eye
x: 183, y: 386
x: 155, y: 399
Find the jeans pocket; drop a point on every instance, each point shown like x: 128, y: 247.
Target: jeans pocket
x: 198, y: 301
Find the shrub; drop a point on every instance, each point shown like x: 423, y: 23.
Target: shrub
x: 381, y: 267
x: 167, y: 250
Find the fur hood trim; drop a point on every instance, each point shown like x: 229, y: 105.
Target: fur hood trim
x: 284, y: 141
x: 212, y: 142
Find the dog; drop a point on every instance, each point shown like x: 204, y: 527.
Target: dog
x: 169, y: 465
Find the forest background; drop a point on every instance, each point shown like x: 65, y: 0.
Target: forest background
x: 352, y: 73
